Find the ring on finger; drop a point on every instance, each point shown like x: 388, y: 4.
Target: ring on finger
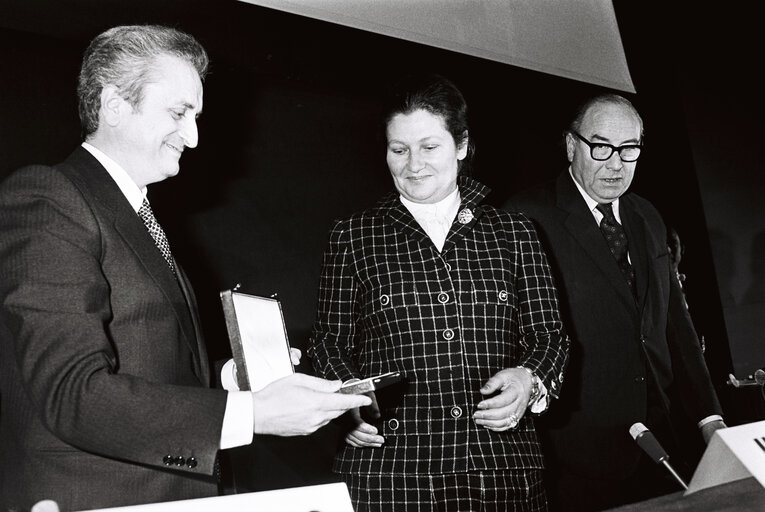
x: 512, y: 421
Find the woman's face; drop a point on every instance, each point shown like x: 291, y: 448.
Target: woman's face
x: 422, y: 156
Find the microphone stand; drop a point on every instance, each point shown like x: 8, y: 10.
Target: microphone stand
x: 674, y: 473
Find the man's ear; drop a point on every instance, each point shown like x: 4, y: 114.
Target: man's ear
x: 570, y: 147
x: 113, y: 106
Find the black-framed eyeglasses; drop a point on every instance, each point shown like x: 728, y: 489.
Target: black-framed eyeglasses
x: 601, y: 151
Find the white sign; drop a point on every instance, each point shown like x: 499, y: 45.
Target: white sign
x: 733, y: 453
x: 312, y: 498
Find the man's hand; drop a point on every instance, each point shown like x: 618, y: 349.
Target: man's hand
x: 300, y: 404
x: 505, y: 410
x: 708, y: 429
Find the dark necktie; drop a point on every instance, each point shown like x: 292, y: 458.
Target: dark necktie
x: 616, y: 238
x: 155, y: 230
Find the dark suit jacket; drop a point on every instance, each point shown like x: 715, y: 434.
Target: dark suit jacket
x: 448, y: 321
x: 103, y: 371
x: 618, y: 342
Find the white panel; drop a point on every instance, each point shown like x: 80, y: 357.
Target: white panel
x: 577, y: 39
x: 331, y: 497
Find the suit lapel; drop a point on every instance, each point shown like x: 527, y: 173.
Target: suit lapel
x: 201, y: 366
x: 635, y: 227
x: 403, y: 221
x: 135, y: 235
x: 582, y: 226
x: 472, y: 193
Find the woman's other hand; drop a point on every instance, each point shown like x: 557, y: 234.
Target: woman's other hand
x: 504, y: 410
x: 363, y: 434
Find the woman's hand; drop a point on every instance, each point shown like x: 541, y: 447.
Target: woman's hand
x: 505, y: 410
x: 362, y: 434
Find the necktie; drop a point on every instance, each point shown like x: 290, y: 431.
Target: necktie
x: 616, y: 238
x: 156, y: 232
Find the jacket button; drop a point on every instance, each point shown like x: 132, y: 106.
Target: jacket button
x: 448, y: 267
x: 384, y: 300
x: 443, y: 298
x: 456, y: 412
x: 503, y: 295
x: 180, y: 461
x: 448, y: 334
x: 191, y: 462
x: 639, y: 378
x: 168, y: 460
x: 393, y: 424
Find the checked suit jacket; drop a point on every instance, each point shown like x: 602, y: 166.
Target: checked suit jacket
x: 619, y: 344
x: 448, y: 321
x: 104, y: 377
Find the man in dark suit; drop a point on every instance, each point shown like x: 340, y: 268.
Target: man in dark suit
x: 103, y: 371
x: 635, y: 356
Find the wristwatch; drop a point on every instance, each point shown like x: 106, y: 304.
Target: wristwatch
x: 535, y: 384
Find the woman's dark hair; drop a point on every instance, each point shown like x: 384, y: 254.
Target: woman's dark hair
x: 437, y: 95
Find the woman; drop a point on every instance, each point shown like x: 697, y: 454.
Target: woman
x: 457, y: 297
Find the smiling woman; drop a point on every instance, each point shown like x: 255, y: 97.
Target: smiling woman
x: 423, y: 157
x: 457, y: 297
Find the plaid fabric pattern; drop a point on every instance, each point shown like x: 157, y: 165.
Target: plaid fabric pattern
x: 484, y: 491
x: 448, y: 321
x: 156, y: 232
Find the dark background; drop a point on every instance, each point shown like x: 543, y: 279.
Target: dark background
x: 289, y: 141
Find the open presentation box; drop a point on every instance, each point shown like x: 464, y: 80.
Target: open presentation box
x: 258, y: 337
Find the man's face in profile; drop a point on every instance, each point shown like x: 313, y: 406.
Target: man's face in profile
x: 156, y: 131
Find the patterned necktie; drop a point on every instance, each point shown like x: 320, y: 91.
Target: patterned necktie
x: 155, y: 230
x: 616, y: 238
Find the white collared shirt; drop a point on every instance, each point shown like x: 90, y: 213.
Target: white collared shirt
x: 436, y: 219
x: 237, y: 429
x: 593, y: 204
x: 130, y: 190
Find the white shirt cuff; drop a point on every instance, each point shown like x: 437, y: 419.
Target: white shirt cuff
x: 709, y: 419
x: 237, y: 420
x: 543, y: 400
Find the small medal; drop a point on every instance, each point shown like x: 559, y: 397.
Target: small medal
x: 465, y: 216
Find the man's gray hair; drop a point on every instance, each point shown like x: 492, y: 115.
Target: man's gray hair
x: 123, y: 57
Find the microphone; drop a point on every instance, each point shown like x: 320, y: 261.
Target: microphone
x: 758, y: 379
x: 648, y: 442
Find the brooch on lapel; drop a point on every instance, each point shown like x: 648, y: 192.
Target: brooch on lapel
x: 465, y: 216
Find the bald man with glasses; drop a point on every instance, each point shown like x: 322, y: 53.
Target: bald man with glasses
x: 635, y: 356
